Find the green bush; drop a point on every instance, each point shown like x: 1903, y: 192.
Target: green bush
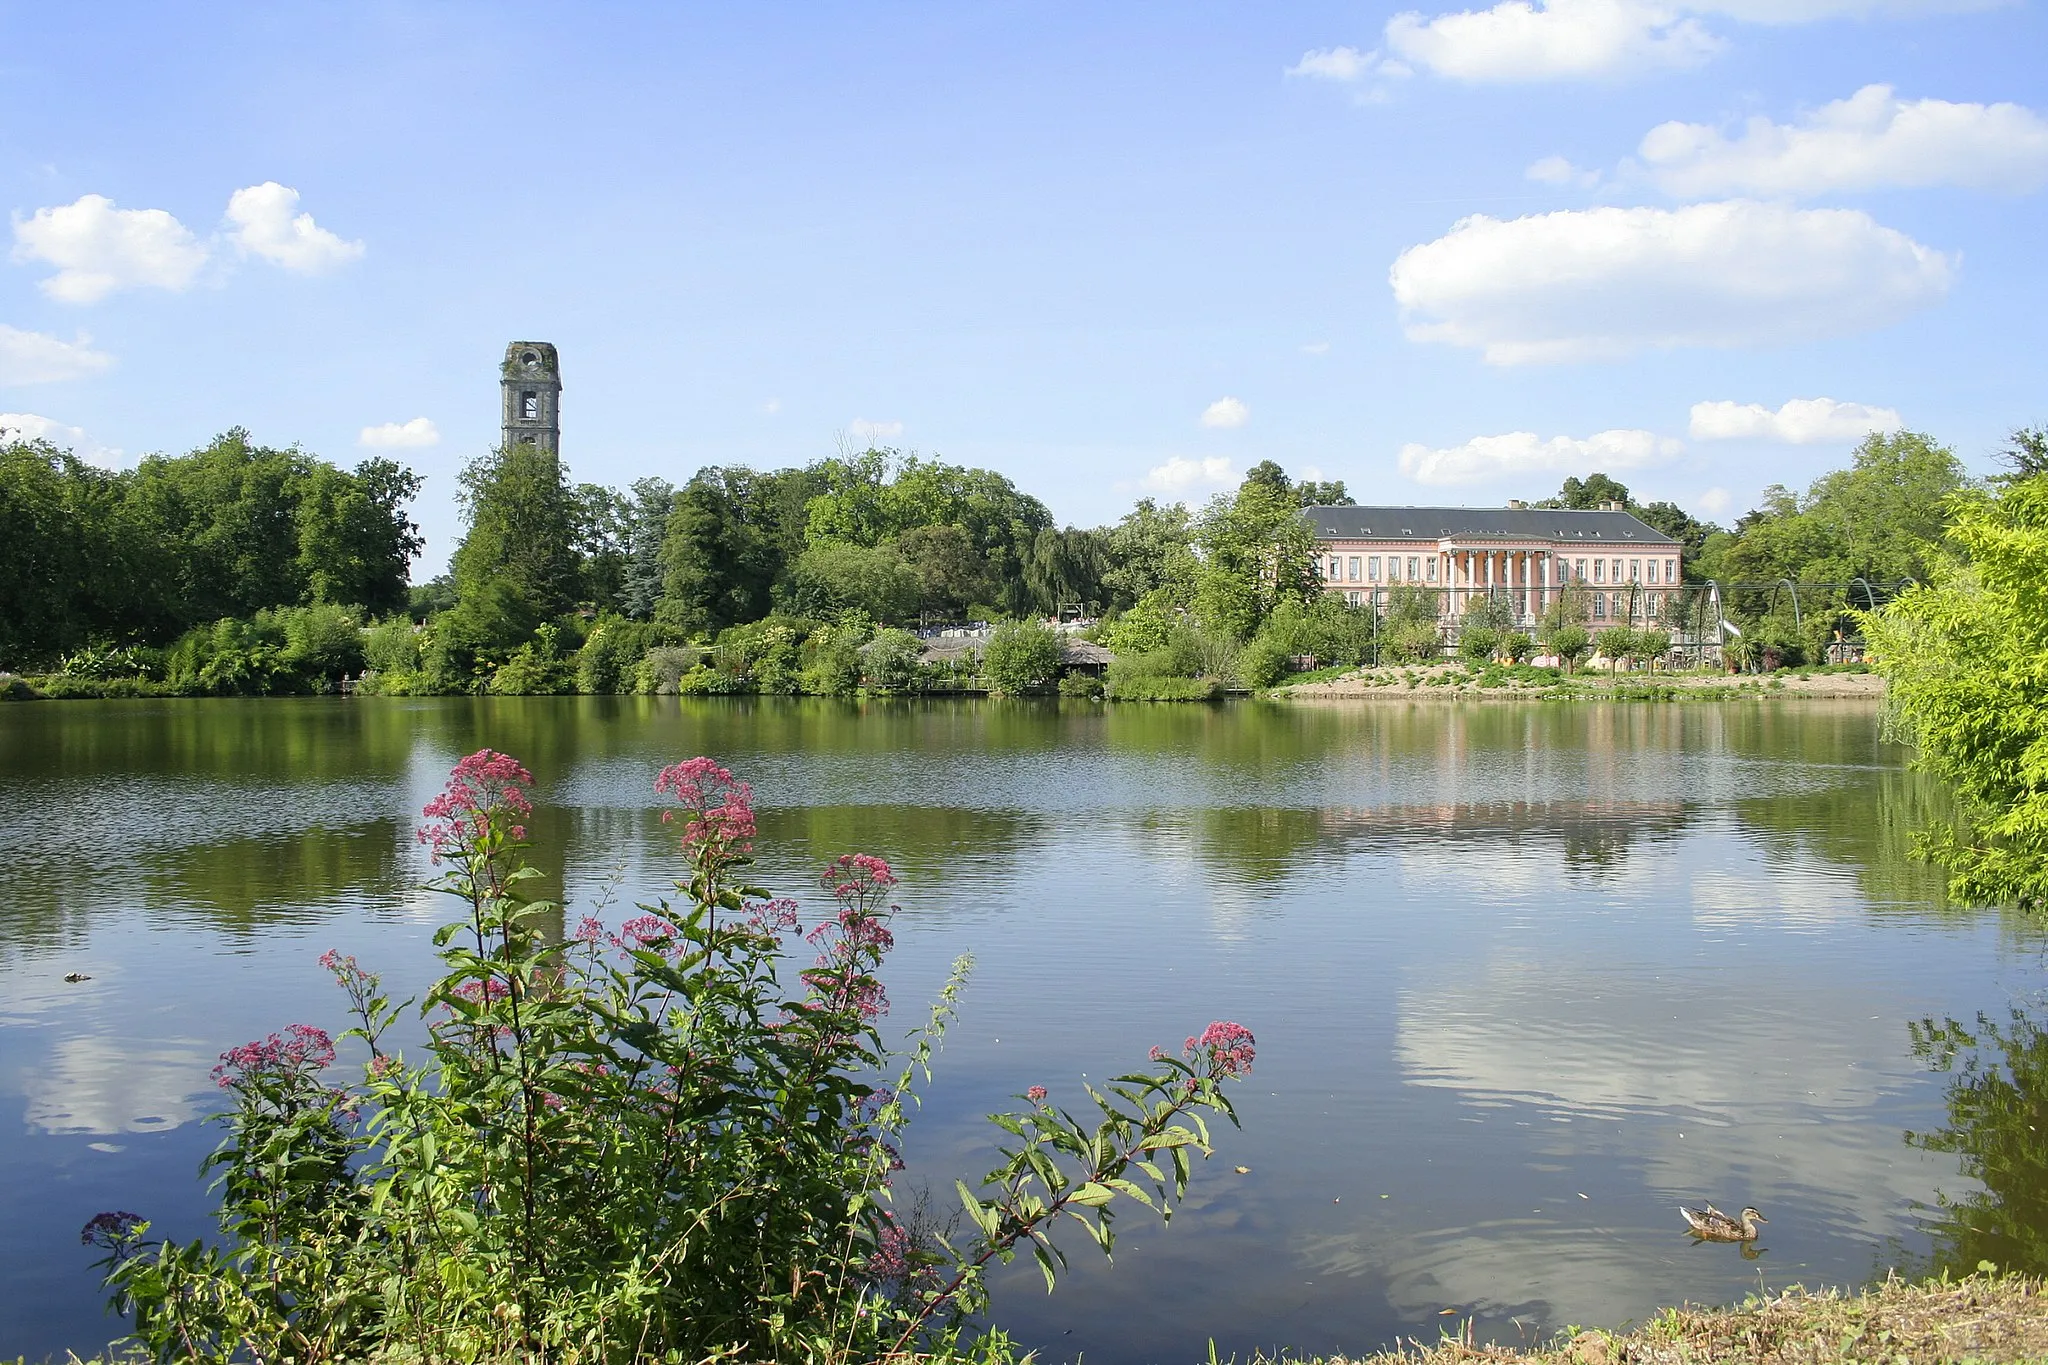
x: 392, y: 645
x: 1263, y: 662
x: 1021, y: 656
x: 632, y: 1145
x: 1514, y: 646
x: 1158, y: 687
x: 661, y: 669
x: 1412, y: 641
x: 1476, y: 644
x: 611, y: 653
x: 892, y: 661
x: 704, y: 681
x: 536, y: 668
x: 832, y: 661
x: 1085, y: 686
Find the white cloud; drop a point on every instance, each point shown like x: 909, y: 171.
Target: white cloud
x: 1315, y: 348
x: 772, y: 406
x: 98, y: 248
x: 1555, y: 170
x: 1521, y: 452
x: 862, y: 429
x: 1607, y: 282
x: 1226, y: 413
x: 34, y: 358
x: 1800, y: 422
x: 264, y: 225
x: 420, y: 431
x: 1806, y: 11
x: 1872, y: 140
x: 1530, y: 40
x: 1182, y: 475
x: 1714, y: 501
x: 28, y: 426
x: 1335, y: 64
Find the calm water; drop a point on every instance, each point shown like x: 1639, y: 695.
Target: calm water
x: 1523, y: 976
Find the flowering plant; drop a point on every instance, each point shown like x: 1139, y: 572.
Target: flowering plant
x: 628, y: 1143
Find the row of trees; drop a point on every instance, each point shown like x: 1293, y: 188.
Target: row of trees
x: 95, y: 557
x: 859, y: 542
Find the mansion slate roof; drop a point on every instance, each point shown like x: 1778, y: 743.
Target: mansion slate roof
x: 1479, y: 523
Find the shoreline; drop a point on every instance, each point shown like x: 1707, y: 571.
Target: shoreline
x: 1987, y: 1318
x: 1453, y: 682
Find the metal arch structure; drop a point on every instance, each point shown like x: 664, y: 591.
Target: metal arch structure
x: 1798, y: 622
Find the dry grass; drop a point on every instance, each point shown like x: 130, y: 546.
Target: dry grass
x: 1981, y: 1319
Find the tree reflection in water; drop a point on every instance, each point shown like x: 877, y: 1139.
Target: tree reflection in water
x: 1998, y: 1126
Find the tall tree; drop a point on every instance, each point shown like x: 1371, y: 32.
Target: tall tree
x: 521, y: 536
x: 1257, y: 550
x: 720, y: 565
x: 1150, y: 549
x: 647, y: 515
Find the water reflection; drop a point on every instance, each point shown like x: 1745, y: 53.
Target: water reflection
x: 1499, y: 957
x: 1997, y: 1101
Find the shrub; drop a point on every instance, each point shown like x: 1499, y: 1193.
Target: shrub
x: 1476, y: 644
x: 1159, y: 687
x: 1085, y: 686
x: 536, y: 668
x: 892, y: 661
x: 631, y: 1145
x: 607, y: 662
x: 1263, y: 662
x: 832, y: 661
x: 392, y: 646
x: 661, y: 669
x: 1021, y: 655
x: 1652, y: 644
x: 1514, y: 646
x: 1412, y: 641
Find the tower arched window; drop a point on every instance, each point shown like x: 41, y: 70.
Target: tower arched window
x: 529, y: 405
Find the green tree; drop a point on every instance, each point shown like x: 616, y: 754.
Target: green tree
x: 1588, y: 493
x: 600, y: 521
x: 720, y: 562
x: 1570, y: 643
x: 1616, y: 644
x: 647, y: 514
x: 951, y: 574
x: 892, y: 660
x: 1965, y: 660
x: 1257, y: 550
x: 521, y: 531
x: 832, y: 580
x: 1064, y: 568
x: 1021, y: 655
x: 1149, y: 550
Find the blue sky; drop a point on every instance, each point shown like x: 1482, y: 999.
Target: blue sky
x: 1448, y: 254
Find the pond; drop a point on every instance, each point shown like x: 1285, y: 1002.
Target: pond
x: 1524, y: 976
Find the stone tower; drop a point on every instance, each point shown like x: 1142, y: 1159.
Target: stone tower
x: 531, y: 378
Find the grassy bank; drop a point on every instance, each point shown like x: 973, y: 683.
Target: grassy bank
x: 1981, y: 1319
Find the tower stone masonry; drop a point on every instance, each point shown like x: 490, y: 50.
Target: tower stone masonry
x: 531, y: 378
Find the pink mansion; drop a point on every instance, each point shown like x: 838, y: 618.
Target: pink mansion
x: 1526, y: 553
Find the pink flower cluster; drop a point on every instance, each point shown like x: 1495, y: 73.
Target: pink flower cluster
x: 772, y: 917
x: 1036, y: 1094
x: 719, y: 806
x: 482, y: 992
x: 112, y: 1231
x: 299, y: 1050
x: 480, y: 786
x: 891, y: 1260
x: 1230, y: 1046
x: 858, y: 878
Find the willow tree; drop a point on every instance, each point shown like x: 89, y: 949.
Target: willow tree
x: 1965, y: 659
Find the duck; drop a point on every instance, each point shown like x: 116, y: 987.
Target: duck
x: 1716, y: 1226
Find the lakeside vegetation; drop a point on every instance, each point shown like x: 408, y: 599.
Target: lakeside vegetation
x: 245, y: 570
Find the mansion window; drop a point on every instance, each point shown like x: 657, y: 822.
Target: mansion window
x: 1670, y: 571
x: 1579, y: 571
x: 1599, y: 571
x: 1330, y: 571
x: 1432, y: 570
x: 1599, y: 606
x: 1652, y: 572
x: 1412, y: 575
x: 1354, y: 568
x: 1635, y: 571
x: 1372, y: 569
x: 1353, y: 597
x: 1617, y: 571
